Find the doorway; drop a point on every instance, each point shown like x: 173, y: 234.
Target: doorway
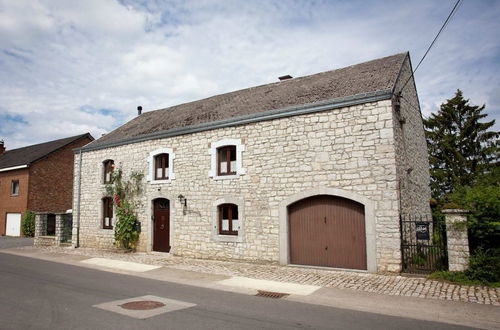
x: 161, y: 225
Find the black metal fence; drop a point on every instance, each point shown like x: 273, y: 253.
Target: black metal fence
x: 67, y: 228
x: 423, y: 244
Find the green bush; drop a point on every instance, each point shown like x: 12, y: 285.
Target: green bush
x: 126, y: 231
x: 484, y: 269
x: 483, y: 222
x: 28, y: 224
x: 485, y: 266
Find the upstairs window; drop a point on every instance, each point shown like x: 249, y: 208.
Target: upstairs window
x: 107, y: 213
x: 108, y: 167
x: 228, y: 219
x: 161, y: 167
x: 14, y: 188
x: 226, y: 160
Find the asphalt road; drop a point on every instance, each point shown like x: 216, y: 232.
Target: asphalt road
x: 36, y: 294
x: 11, y: 242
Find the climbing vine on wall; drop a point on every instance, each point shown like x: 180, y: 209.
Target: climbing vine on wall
x: 125, y: 193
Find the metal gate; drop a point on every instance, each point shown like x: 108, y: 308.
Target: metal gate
x: 423, y: 244
x: 67, y: 228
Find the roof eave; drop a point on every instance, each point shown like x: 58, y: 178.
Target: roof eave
x: 13, y: 168
x: 253, y: 118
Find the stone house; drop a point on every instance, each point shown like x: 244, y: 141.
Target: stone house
x: 313, y: 171
x: 38, y: 178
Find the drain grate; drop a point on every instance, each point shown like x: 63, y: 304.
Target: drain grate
x: 270, y: 294
x: 142, y: 305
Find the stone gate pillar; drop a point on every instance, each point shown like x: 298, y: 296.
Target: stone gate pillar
x: 59, y: 228
x: 40, y: 224
x: 458, y: 241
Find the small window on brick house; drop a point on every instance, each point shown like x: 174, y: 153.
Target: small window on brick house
x: 226, y: 160
x: 161, y: 167
x: 228, y: 219
x: 14, y: 188
x: 108, y: 167
x: 107, y: 213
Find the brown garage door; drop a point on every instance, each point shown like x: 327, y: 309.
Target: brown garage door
x: 327, y: 231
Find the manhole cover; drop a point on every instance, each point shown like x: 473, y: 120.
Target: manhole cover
x: 270, y: 294
x: 142, y: 305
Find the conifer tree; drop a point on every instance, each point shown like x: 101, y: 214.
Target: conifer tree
x: 461, y: 149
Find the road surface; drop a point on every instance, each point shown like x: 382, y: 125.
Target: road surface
x: 38, y: 294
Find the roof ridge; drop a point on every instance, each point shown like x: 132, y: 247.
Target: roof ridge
x: 361, y: 78
x: 35, y: 152
x: 75, y: 137
x: 279, y: 82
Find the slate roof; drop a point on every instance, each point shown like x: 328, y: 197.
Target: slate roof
x: 376, y: 75
x: 30, y: 154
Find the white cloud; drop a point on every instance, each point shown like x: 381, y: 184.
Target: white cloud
x: 58, y: 57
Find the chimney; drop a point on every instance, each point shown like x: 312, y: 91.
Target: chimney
x: 285, y: 77
x: 139, y: 110
x: 2, y: 147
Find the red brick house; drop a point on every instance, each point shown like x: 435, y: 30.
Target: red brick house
x: 38, y: 178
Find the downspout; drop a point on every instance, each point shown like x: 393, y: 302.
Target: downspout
x: 78, y: 199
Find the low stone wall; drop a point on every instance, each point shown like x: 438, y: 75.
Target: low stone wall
x: 41, y: 237
x: 45, y: 241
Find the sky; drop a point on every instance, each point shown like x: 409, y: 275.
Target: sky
x: 71, y: 67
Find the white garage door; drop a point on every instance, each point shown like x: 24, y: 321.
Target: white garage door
x: 13, y: 224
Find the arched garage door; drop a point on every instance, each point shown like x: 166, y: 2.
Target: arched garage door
x: 327, y: 231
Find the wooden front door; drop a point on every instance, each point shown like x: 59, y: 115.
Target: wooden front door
x: 161, y: 220
x: 327, y: 231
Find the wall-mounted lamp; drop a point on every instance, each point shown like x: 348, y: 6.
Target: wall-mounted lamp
x: 182, y: 199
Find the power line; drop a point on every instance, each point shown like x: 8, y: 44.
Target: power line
x: 453, y: 11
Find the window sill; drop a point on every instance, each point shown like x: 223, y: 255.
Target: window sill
x: 228, y: 238
x: 227, y: 177
x: 160, y: 181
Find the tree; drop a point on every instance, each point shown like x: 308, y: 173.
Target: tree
x: 28, y: 225
x: 461, y: 148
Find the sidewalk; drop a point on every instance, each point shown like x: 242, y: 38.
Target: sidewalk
x: 394, y: 285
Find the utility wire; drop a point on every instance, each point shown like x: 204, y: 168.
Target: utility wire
x: 453, y: 11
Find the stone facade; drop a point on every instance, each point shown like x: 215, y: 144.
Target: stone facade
x: 412, y: 162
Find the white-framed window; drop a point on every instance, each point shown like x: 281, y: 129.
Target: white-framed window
x: 229, y: 223
x: 226, y: 159
x: 228, y: 220
x: 108, y: 166
x: 161, y: 166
